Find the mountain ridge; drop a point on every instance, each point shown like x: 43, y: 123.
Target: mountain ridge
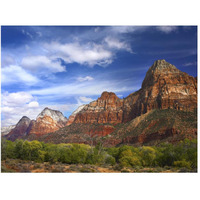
x: 164, y: 87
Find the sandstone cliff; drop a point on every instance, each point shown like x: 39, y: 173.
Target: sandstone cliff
x: 164, y: 87
x: 106, y: 109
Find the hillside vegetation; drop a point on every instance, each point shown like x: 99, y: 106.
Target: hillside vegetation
x: 182, y: 156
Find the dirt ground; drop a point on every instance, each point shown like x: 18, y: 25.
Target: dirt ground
x: 18, y: 166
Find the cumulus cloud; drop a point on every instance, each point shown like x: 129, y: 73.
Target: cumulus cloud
x: 19, y: 104
x: 16, y: 98
x: 15, y: 105
x: 15, y: 74
x: 166, y: 29
x: 33, y: 104
x: 35, y: 63
x: 116, y: 44
x: 86, y: 78
x: 87, y: 54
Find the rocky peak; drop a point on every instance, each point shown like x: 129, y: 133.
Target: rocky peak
x: 160, y: 65
x: 107, y: 95
x: 24, y: 120
x: 20, y: 129
x: 159, y: 69
x: 54, y: 114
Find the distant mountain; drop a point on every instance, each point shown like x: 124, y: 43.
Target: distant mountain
x: 166, y: 99
x: 47, y: 121
x: 20, y: 129
x: 6, y: 130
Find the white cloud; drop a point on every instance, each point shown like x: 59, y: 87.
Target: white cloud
x: 15, y: 74
x: 116, y: 44
x: 16, y: 98
x: 86, y: 99
x: 88, y: 54
x: 83, y: 89
x: 124, y: 29
x: 33, y: 104
x: 35, y: 63
x: 27, y: 33
x: 19, y: 104
x: 189, y: 64
x: 86, y: 78
x: 166, y: 29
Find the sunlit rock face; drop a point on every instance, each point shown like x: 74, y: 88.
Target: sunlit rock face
x: 106, y: 109
x: 164, y: 87
x: 47, y: 121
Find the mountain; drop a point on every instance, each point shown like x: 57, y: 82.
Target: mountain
x: 164, y: 87
x: 6, y: 130
x: 20, y: 129
x: 163, y: 109
x: 47, y: 121
x: 151, y: 128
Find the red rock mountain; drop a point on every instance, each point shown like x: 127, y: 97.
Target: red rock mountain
x: 164, y: 87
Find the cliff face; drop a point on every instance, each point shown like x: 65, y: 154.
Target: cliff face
x: 164, y: 87
x: 106, y: 109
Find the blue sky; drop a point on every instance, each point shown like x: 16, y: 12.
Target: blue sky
x: 64, y: 67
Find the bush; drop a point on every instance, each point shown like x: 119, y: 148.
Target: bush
x: 182, y: 164
x: 110, y: 160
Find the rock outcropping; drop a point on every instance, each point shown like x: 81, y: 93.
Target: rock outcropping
x: 106, y: 109
x: 164, y: 87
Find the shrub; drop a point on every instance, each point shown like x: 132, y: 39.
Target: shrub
x: 110, y: 160
x: 182, y: 164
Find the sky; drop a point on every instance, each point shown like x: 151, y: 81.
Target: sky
x: 63, y: 67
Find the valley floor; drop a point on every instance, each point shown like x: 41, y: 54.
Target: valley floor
x: 16, y: 165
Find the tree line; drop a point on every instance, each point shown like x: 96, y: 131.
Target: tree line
x: 181, y: 155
